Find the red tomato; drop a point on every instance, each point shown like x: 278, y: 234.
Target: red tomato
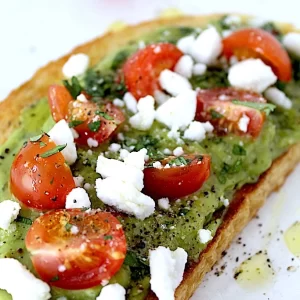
x: 225, y: 115
x: 142, y: 69
x: 41, y: 183
x: 177, y: 181
x: 76, y: 257
x: 95, y: 122
x: 59, y: 98
x: 254, y: 42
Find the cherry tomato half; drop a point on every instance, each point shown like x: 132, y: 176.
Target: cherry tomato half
x: 41, y: 183
x: 254, y: 42
x: 142, y: 69
x: 177, y: 181
x: 215, y: 105
x: 74, y: 249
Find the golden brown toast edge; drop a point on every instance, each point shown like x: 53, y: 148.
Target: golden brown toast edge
x: 247, y: 201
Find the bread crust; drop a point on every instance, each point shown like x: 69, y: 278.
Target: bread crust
x: 246, y: 202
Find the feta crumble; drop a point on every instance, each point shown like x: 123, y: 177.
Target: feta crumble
x: 164, y: 203
x: 76, y: 65
x: 74, y: 230
x: 112, y: 292
x: 178, y: 151
x: 186, y: 43
x: 78, y: 181
x: 195, y: 132
x: 9, y: 211
x: 130, y: 102
x: 78, y: 198
x: 243, y: 123
x: 20, y: 283
x: 160, y: 97
x: 173, y: 83
x: 118, y: 102
x: 166, y: 269
x: 184, y: 66
x: 114, y: 147
x: 157, y: 165
x: 278, y: 97
x: 251, y: 74
x: 199, y: 69
x: 144, y: 118
x: 291, y: 41
x: 81, y: 98
x: 207, y: 46
x: 204, y: 236
x: 92, y: 143
x: 136, y: 159
x: 224, y: 201
x: 61, y: 134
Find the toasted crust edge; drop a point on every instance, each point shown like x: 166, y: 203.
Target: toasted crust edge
x: 246, y: 202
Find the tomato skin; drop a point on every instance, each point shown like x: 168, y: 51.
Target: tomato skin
x: 59, y: 99
x: 255, y: 42
x: 177, y: 181
x: 86, y: 113
x: 142, y: 69
x: 209, y: 100
x: 94, y: 253
x: 40, y: 183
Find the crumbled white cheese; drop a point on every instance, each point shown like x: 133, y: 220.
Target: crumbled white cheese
x: 195, y: 132
x: 20, y: 283
x: 173, y: 83
x: 184, y: 66
x: 291, y: 41
x: 208, y: 127
x: 9, y: 211
x: 74, y: 230
x: 74, y: 133
x: 178, y: 112
x: 232, y: 20
x: 118, y: 102
x: 114, y: 147
x: 233, y: 60
x: 112, y: 292
x: 243, y: 123
x: 130, y: 102
x: 144, y: 118
x: 157, y: 49
x: 207, y: 47
x: 77, y: 64
x: 124, y: 196
x: 157, y: 164
x: 87, y: 186
x: 92, y: 143
x: 160, y: 97
x: 164, y: 203
x: 61, y: 268
x: 199, y: 69
x: 186, y: 43
x: 224, y: 201
x: 178, y: 151
x: 175, y: 135
x: 124, y: 153
x: 204, y: 236
x: 136, y: 159
x: 226, y: 33
x: 78, y: 181
x: 81, y: 98
x: 251, y: 74
x: 141, y: 44
x: 278, y: 97
x: 166, y: 269
x: 118, y: 169
x: 78, y: 198
x: 61, y: 134
x: 167, y: 151
x: 121, y: 136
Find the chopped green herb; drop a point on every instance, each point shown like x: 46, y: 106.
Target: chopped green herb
x: 211, y: 79
x: 68, y: 226
x: 238, y: 150
x: 267, y: 108
x: 273, y: 29
x: 108, y: 237
x: 179, y: 161
x: 24, y: 220
x: 215, y: 114
x: 229, y: 169
x: 75, y: 123
x: 36, y: 138
x: 42, y: 144
x: 119, y: 59
x: 73, y: 87
x: 104, y: 115
x: 55, y: 278
x: 53, y: 151
x: 94, y: 126
x: 132, y: 260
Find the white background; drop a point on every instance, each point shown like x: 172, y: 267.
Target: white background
x: 33, y: 32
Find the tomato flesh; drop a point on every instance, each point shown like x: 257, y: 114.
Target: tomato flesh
x: 59, y: 98
x: 224, y: 115
x: 98, y: 123
x: 74, y: 249
x: 142, y: 69
x: 37, y: 182
x: 177, y: 181
x: 258, y: 43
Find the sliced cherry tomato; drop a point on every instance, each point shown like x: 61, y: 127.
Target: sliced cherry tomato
x: 215, y: 105
x: 59, y: 98
x: 74, y: 249
x: 177, y: 181
x: 41, y: 183
x: 142, y: 69
x: 254, y: 42
x: 93, y: 121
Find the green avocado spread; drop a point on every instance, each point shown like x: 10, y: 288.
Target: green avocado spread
x: 235, y: 161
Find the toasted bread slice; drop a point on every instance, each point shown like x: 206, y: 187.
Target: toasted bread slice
x: 246, y: 202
